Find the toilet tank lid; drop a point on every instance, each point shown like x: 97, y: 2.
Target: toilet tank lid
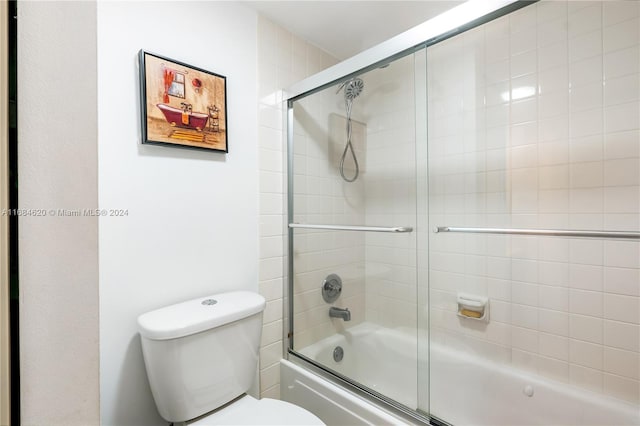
x: 203, y: 313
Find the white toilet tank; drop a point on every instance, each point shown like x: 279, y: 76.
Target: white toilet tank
x: 202, y: 353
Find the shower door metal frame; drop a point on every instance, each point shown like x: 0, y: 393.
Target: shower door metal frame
x: 471, y: 14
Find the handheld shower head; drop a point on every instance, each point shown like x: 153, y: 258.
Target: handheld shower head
x: 352, y: 88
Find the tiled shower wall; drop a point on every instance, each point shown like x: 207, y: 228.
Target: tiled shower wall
x: 282, y: 60
x: 534, y: 123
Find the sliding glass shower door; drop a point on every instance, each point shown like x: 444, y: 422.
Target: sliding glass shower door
x: 354, y: 243
x: 533, y: 153
x: 464, y: 233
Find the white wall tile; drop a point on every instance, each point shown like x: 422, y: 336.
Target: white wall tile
x: 622, y: 117
x: 618, y: 90
x: 621, y: 62
x: 618, y: 11
x: 586, y: 175
x: 523, y: 41
x: 586, y: 277
x: 625, y: 254
x: 270, y: 355
x: 588, y: 329
x: 586, y: 302
x: 553, y: 322
x: 553, y: 55
x: 622, y: 281
x: 621, y: 387
x: 525, y: 339
x: 585, y: 123
x: 585, y: 46
x: 621, y: 35
x: 585, y: 354
x: 588, y: 96
x: 554, y: 104
x: 556, y: 298
x: 553, y: 346
x: 271, y: 247
x: 586, y: 378
x: 625, y: 199
x: 553, y: 273
x: 523, y: 63
x: 622, y: 308
x: 553, y: 369
x: 549, y: 10
x: 524, y: 294
x: 585, y: 200
x: 523, y: 20
x: 586, y: 71
x: 556, y: 152
x: 622, y: 363
x: 585, y: 20
x: 269, y: 377
x: 622, y: 172
x: 622, y: 335
x: 552, y: 30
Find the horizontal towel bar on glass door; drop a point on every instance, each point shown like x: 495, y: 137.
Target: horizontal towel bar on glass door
x: 397, y: 229
x: 548, y: 232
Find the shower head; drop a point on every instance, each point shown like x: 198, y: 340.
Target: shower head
x: 352, y: 88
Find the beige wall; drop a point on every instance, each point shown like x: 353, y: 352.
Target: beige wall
x: 4, y: 224
x: 57, y: 159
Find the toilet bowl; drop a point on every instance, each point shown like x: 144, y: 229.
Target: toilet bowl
x: 201, y: 358
x: 247, y: 410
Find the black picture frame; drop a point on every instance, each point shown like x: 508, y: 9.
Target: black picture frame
x: 181, y: 105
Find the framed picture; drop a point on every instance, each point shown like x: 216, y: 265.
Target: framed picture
x: 182, y: 105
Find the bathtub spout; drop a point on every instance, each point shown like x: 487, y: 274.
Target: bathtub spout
x: 340, y: 313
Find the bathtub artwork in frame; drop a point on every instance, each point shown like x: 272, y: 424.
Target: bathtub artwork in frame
x: 182, y: 105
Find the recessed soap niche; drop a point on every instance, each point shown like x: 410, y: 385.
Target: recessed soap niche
x: 473, y: 307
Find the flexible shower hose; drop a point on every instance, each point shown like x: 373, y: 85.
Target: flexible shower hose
x: 349, y: 146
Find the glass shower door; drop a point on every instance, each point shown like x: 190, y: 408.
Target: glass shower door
x: 355, y: 230
x: 527, y: 133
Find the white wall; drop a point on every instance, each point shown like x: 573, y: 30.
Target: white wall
x: 57, y: 160
x: 192, y: 227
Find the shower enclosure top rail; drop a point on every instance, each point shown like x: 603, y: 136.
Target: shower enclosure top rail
x: 547, y: 232
x: 396, y: 229
x: 448, y: 22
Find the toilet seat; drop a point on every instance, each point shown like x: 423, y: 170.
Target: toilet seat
x: 250, y: 411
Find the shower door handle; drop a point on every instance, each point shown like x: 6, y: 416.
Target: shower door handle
x: 631, y: 235
x: 394, y: 229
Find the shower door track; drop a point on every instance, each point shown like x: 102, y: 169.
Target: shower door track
x: 542, y: 232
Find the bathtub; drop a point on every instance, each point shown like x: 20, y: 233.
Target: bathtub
x: 195, y: 120
x: 465, y: 389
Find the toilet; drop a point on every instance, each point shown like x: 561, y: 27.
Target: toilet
x: 201, y: 358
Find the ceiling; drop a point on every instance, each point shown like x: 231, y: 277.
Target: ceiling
x: 344, y: 28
